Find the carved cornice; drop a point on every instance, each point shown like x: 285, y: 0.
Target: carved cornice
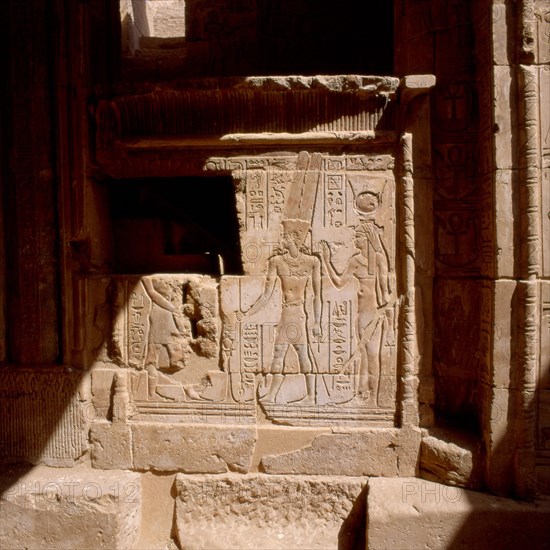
x: 241, y: 112
x: 157, y: 129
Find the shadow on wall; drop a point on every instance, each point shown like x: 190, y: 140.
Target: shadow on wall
x: 352, y: 535
x: 511, y: 470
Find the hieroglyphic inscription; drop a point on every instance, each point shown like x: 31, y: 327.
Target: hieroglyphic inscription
x: 340, y: 337
x: 369, y: 163
x: 257, y: 210
x: 250, y: 347
x: 138, y: 325
x: 279, y: 182
x: 334, y: 200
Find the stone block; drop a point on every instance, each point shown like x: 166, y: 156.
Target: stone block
x: 445, y: 461
x: 101, y: 386
x: 372, y: 452
x: 543, y: 477
x: 500, y: 34
x: 504, y: 229
x: 75, y: 508
x: 111, y: 446
x: 268, y: 512
x: 541, y: 24
x: 499, y: 439
x: 43, y: 416
x: 503, y: 120
x: 414, y: 514
x: 504, y: 307
x: 193, y: 448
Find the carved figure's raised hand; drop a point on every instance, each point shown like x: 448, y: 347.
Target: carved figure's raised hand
x: 239, y: 316
x: 371, y: 234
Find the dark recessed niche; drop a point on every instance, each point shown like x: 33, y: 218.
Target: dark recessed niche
x: 179, y: 225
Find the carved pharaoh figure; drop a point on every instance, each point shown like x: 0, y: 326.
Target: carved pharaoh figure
x: 296, y: 269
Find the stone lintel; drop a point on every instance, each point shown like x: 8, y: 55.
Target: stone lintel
x: 365, y: 84
x: 264, y: 138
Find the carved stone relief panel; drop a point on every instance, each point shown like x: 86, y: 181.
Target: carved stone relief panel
x: 319, y: 325
x: 311, y: 329
x: 309, y: 333
x: 542, y: 32
x: 457, y: 340
x: 167, y: 334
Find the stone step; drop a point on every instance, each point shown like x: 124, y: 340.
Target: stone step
x: 42, y: 507
x: 411, y: 513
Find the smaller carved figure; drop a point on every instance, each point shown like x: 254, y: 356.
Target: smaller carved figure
x: 167, y: 338
x: 368, y: 267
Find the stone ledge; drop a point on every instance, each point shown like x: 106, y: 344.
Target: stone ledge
x: 387, y: 452
x: 69, y: 508
x: 417, y: 514
x: 133, y: 145
x: 349, y: 83
x: 189, y: 448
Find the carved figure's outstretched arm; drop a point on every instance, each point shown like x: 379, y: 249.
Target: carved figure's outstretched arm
x: 269, y: 287
x: 383, y: 283
x: 317, y: 304
x: 337, y: 279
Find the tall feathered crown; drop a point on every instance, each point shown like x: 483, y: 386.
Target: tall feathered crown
x: 298, y: 227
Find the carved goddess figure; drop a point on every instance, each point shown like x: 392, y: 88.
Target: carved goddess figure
x: 374, y: 320
x: 295, y: 268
